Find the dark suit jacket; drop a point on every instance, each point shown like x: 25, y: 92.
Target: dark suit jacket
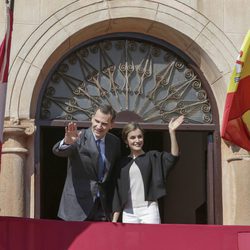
x: 82, y: 185
x: 154, y: 167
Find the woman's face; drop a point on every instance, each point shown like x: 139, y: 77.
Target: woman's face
x: 135, y: 140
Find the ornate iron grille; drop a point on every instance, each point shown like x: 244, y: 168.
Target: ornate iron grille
x: 141, y: 77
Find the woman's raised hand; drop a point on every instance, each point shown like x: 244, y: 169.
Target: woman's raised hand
x: 175, y: 123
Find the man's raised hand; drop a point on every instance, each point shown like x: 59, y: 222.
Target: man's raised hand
x: 71, y: 133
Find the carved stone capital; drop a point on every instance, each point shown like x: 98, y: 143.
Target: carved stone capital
x: 239, y: 157
x: 15, y: 135
x: 27, y: 126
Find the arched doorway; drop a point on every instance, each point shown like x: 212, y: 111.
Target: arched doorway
x: 143, y: 79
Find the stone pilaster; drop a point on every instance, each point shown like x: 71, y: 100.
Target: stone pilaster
x: 12, y: 176
x: 236, y: 185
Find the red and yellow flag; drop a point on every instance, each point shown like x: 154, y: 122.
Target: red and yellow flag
x: 236, y: 119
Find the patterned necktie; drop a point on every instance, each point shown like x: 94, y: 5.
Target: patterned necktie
x: 101, y: 167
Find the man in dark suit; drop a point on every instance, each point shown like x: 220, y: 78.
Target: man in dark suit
x: 92, y: 154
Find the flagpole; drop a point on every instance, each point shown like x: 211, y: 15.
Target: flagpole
x: 10, y: 3
x: 5, y: 47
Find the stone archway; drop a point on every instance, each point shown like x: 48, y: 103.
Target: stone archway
x: 208, y: 47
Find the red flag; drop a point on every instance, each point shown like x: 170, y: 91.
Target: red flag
x: 4, y: 69
x: 236, y: 119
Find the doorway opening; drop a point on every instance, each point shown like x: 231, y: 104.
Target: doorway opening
x: 186, y: 200
x: 150, y: 79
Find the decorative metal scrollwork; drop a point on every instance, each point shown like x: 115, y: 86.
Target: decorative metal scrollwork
x: 130, y: 75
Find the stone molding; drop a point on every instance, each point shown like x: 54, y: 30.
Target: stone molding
x: 79, y: 21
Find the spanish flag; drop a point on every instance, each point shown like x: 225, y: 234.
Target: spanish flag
x: 236, y: 119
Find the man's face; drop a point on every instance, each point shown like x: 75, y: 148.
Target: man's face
x: 101, y: 124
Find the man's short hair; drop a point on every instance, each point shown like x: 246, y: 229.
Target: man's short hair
x: 107, y: 110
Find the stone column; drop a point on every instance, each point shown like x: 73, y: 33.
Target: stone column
x: 12, y: 175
